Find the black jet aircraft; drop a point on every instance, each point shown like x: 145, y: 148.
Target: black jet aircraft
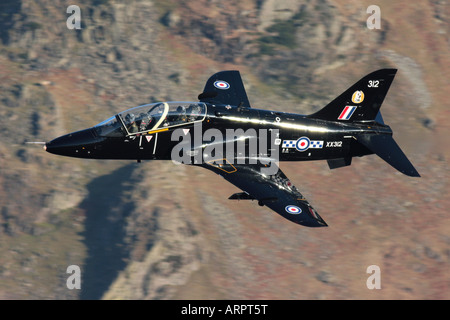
x: 349, y: 126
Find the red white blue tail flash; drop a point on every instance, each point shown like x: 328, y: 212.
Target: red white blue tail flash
x: 347, y: 112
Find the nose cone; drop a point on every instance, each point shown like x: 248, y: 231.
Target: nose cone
x: 76, y: 144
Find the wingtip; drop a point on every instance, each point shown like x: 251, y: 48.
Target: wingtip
x: 322, y: 224
x: 411, y: 173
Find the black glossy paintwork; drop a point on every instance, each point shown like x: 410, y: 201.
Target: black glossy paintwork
x: 330, y: 134
x: 87, y: 144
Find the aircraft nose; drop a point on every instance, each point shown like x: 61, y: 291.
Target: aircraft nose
x: 75, y: 144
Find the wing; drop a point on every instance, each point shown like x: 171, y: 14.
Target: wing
x: 225, y: 87
x: 275, y: 191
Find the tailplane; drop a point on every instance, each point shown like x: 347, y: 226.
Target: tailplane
x: 387, y: 149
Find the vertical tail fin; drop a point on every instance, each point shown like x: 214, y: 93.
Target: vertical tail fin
x: 362, y: 101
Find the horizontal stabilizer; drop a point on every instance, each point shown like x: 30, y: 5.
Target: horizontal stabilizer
x: 388, y: 150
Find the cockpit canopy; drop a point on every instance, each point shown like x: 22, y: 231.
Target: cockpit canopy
x: 152, y: 117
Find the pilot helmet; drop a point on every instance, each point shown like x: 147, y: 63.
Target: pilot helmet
x: 195, y: 109
x: 130, y: 117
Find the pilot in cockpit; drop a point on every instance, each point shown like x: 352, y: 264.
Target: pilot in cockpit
x: 195, y: 112
x: 131, y: 123
x: 146, y: 121
x: 181, y: 112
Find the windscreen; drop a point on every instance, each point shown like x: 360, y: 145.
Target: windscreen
x: 110, y: 128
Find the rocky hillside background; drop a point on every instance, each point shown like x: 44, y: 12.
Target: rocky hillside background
x: 159, y: 231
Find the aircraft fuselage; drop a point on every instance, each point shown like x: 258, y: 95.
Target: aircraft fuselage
x: 296, y: 137
x: 223, y: 133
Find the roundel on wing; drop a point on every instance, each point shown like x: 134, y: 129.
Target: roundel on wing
x: 302, y: 144
x: 220, y: 84
x: 293, y: 209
